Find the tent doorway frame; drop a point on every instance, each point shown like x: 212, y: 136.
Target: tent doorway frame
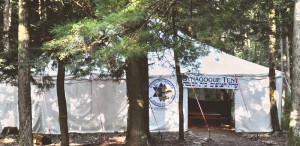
x: 214, y: 112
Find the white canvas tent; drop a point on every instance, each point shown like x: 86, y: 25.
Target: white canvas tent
x: 93, y: 106
x: 97, y: 105
x: 250, y: 82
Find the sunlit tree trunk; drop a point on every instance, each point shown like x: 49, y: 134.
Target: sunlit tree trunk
x: 138, y: 133
x: 285, y: 64
x: 43, y: 10
x: 272, y: 75
x: 294, y: 137
x: 287, y: 59
x: 282, y: 54
x: 62, y: 104
x: 6, y: 24
x: 24, y: 103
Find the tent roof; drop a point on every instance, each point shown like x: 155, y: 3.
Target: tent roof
x: 215, y: 63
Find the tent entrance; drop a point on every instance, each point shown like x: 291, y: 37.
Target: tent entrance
x: 216, y: 105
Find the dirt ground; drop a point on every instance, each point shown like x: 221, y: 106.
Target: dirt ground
x: 224, y: 136
x: 195, y: 136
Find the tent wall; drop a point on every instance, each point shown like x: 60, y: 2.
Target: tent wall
x: 251, y: 101
x: 8, y: 106
x: 97, y: 105
x: 252, y: 104
x: 93, y: 106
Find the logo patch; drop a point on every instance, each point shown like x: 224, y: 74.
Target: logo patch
x: 162, y: 92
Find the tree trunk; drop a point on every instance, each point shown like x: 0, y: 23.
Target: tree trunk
x: 180, y: 103
x: 43, y: 10
x: 24, y: 93
x: 138, y: 133
x: 43, y: 16
x: 178, y: 72
x: 62, y: 105
x: 261, y: 54
x: 282, y: 56
x: 294, y: 137
x: 285, y: 67
x: 6, y: 24
x: 287, y: 63
x: 272, y: 78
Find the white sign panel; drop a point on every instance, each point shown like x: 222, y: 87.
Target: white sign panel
x: 217, y: 82
x: 163, y: 104
x: 162, y: 92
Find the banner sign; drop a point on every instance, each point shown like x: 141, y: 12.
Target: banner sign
x: 216, y: 82
x: 163, y: 104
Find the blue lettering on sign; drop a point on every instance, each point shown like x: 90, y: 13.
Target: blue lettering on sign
x: 222, y: 82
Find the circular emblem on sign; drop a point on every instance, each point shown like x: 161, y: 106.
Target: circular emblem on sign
x: 162, y: 92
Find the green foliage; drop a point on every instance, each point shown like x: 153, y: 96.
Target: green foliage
x: 107, y: 7
x: 292, y: 139
x: 129, y: 28
x: 8, y: 67
x: 239, y: 27
x: 124, y: 28
x: 73, y: 42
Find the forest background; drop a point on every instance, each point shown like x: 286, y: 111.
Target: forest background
x: 114, y: 36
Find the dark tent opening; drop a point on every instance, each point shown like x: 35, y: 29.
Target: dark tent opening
x: 214, y: 107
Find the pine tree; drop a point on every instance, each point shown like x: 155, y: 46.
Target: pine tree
x: 24, y: 93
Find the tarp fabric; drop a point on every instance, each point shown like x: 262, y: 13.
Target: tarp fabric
x: 93, y: 106
x: 252, y: 104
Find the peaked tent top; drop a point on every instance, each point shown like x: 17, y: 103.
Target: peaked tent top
x: 215, y: 63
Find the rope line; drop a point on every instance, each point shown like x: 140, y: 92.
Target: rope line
x: 238, y: 82
x: 155, y: 121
